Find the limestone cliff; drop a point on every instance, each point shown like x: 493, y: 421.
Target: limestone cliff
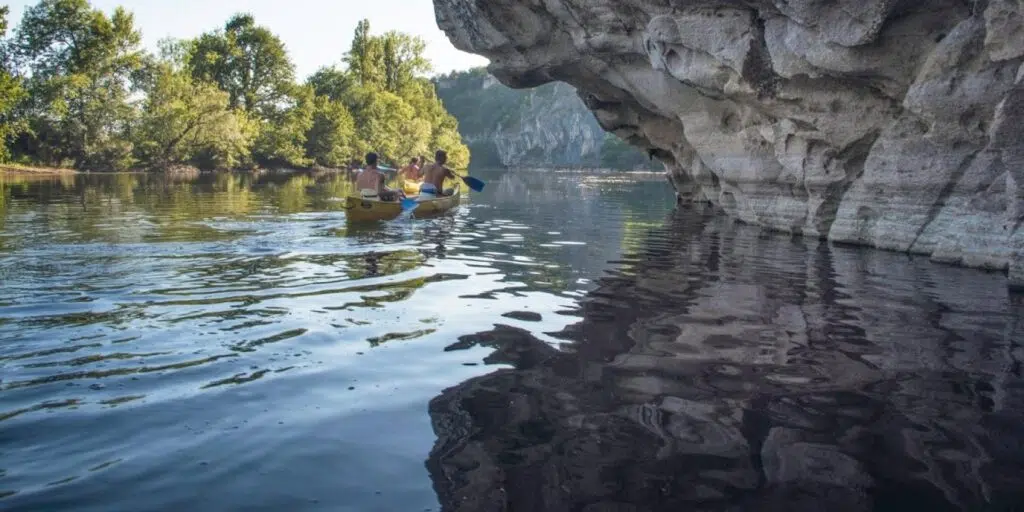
x: 892, y: 123
x: 547, y: 126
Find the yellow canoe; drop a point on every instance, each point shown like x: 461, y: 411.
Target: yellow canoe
x: 358, y: 209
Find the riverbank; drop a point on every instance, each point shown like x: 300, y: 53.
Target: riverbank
x: 18, y: 169
x: 31, y: 170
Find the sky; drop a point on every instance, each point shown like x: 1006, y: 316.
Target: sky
x: 315, y: 32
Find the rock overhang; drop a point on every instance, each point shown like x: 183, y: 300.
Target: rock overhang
x: 890, y: 123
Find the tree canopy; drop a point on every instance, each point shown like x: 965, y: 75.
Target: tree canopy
x: 11, y: 93
x: 76, y: 89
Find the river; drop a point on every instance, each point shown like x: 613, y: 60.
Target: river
x: 563, y: 341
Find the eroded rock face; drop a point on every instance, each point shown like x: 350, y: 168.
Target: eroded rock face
x: 892, y: 123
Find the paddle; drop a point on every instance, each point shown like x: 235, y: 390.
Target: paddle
x: 473, y: 183
x: 409, y: 205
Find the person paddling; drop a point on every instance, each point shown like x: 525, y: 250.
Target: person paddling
x: 434, y: 175
x: 411, y: 171
x: 370, y: 182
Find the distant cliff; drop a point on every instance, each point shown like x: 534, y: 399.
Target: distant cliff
x: 548, y: 126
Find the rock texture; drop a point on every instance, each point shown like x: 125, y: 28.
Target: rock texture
x: 891, y: 123
x: 545, y: 126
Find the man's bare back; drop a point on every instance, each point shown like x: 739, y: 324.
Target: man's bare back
x: 435, y: 172
x: 435, y: 175
x: 370, y: 179
x: 411, y: 171
x: 373, y: 179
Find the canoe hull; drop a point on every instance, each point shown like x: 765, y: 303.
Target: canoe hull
x: 358, y: 209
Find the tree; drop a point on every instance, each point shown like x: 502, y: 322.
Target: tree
x: 81, y: 63
x: 250, y: 63
x: 75, y: 89
x: 11, y: 94
x: 363, y: 58
x: 184, y: 121
x: 450, y: 141
x: 331, y: 141
x: 247, y: 61
x: 396, y: 110
x: 378, y: 115
x: 385, y: 62
x: 402, y: 59
x: 334, y: 83
x: 282, y: 133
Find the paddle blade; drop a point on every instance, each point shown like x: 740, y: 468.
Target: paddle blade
x: 473, y: 183
x: 409, y: 205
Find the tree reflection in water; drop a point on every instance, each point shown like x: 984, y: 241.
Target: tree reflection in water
x: 721, y: 368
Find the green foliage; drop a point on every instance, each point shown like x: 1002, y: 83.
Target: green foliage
x: 364, y: 56
x: 75, y: 89
x: 184, y: 121
x: 385, y: 62
x: 331, y: 141
x: 249, y: 62
x: 282, y: 137
x: 80, y: 63
x: 458, y: 154
x: 11, y: 94
x: 333, y: 83
x: 396, y: 113
x: 379, y: 115
x: 402, y: 59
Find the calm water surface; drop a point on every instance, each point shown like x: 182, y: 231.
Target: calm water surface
x: 560, y: 342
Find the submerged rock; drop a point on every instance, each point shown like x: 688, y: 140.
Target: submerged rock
x: 890, y: 123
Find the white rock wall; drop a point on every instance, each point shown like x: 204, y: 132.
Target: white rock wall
x: 891, y: 123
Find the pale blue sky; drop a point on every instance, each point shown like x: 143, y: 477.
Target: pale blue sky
x: 316, y: 32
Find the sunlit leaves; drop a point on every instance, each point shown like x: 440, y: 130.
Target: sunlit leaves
x: 246, y: 60
x: 184, y: 121
x: 79, y: 63
x: 331, y: 140
x: 11, y: 93
x: 76, y: 90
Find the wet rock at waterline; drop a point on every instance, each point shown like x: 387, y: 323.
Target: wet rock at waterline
x: 888, y: 123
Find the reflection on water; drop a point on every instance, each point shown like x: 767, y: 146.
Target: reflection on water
x: 229, y: 341
x: 721, y: 368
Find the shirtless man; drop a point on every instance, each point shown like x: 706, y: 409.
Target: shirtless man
x: 371, y: 181
x: 434, y: 175
x: 411, y: 171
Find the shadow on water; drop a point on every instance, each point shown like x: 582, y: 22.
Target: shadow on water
x: 722, y: 368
